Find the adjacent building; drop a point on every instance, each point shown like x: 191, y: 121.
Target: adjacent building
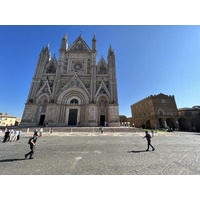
x: 7, y: 120
x: 156, y: 111
x: 189, y: 119
x: 76, y: 90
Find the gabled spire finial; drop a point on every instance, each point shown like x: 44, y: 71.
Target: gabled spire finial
x: 94, y: 38
x: 47, y: 47
x: 110, y: 49
x: 65, y: 36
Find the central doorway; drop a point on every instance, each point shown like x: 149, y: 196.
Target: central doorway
x: 42, y: 117
x: 102, y: 120
x: 72, y: 116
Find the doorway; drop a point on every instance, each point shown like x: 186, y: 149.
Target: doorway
x: 102, y: 120
x: 72, y: 116
x: 42, y: 118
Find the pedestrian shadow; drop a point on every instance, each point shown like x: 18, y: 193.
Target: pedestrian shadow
x: 139, y: 151
x: 11, y: 160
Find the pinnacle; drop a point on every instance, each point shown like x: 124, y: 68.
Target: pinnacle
x: 47, y: 47
x: 94, y: 38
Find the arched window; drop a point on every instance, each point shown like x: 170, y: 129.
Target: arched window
x: 160, y: 112
x: 74, y: 101
x: 164, y: 101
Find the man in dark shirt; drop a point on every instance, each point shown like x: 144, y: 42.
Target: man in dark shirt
x: 6, y: 136
x: 148, y: 137
x: 32, y: 146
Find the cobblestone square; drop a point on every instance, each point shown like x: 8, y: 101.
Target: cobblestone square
x: 176, y: 153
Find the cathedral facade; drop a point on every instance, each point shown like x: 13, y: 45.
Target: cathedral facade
x: 75, y: 90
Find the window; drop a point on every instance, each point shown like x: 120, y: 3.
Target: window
x: 189, y: 114
x: 160, y: 112
x: 74, y: 101
x: 164, y: 101
x: 149, y: 114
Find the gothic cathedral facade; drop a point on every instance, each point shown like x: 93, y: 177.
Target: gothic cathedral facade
x: 75, y: 90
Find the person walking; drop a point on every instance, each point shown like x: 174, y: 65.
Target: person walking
x: 41, y: 131
x: 12, y: 135
x: 148, y: 137
x: 101, y: 129
x: 152, y: 132
x: 35, y: 132
x: 19, y: 134
x: 32, y: 142
x: 16, y: 135
x: 6, y: 136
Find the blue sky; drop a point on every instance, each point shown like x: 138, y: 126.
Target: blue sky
x: 149, y: 60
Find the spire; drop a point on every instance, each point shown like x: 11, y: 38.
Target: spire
x: 94, y: 38
x: 65, y: 36
x: 94, y: 43
x: 64, y: 43
x: 47, y: 47
x: 110, y: 51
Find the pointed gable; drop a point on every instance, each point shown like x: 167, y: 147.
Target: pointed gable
x: 45, y: 89
x: 75, y: 82
x: 79, y: 46
x: 51, y: 66
x: 102, y: 89
x: 102, y: 67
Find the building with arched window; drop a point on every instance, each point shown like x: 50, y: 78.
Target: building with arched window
x: 156, y: 111
x: 75, y: 90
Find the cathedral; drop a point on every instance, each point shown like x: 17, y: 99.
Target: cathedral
x: 75, y: 90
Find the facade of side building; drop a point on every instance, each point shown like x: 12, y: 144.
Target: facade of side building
x: 156, y: 111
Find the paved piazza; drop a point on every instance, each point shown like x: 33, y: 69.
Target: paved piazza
x: 123, y: 153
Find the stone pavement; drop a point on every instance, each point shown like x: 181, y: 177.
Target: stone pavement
x: 104, y: 154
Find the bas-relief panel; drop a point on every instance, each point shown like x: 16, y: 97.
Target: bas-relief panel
x: 114, y: 112
x: 92, y: 113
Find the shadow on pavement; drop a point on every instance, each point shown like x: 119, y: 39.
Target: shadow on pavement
x: 136, y: 151
x: 11, y: 160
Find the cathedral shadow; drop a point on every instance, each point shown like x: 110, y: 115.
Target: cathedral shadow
x: 11, y: 160
x: 139, y: 151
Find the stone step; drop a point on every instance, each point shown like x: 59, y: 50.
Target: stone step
x: 70, y: 130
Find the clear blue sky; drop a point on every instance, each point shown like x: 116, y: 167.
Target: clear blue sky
x: 149, y: 60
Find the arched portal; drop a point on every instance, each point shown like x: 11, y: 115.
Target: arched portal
x: 103, y: 113
x: 161, y: 123
x: 148, y: 124
x: 143, y: 126
x: 171, y: 123
x: 183, y: 125
x: 42, y: 108
x: 73, y: 101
